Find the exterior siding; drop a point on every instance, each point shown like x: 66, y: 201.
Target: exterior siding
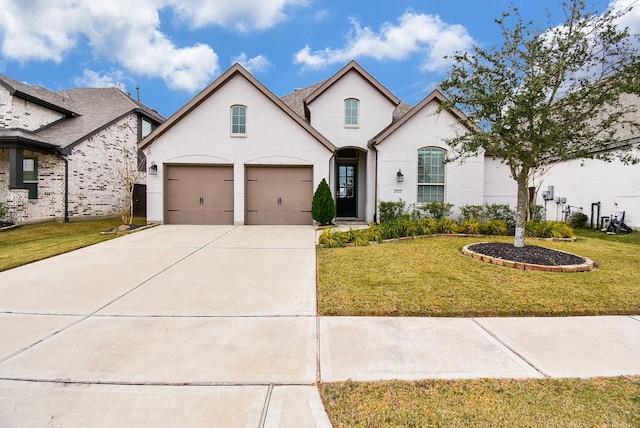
x: 464, y: 183
x: 203, y: 136
x: 615, y: 185
x: 499, y: 187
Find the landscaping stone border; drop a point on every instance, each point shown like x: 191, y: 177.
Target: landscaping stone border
x: 587, y: 266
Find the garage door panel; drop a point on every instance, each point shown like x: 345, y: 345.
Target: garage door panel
x: 199, y: 194
x: 279, y: 195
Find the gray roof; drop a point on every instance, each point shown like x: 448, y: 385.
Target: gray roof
x: 87, y: 111
x: 38, y: 95
x: 295, y: 100
x: 97, y: 109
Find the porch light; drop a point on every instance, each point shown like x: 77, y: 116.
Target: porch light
x: 399, y: 177
x: 153, y: 169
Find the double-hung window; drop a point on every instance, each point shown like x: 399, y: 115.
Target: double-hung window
x: 431, y: 175
x: 351, y: 112
x: 239, y: 121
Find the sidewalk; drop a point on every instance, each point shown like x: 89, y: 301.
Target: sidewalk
x: 216, y: 326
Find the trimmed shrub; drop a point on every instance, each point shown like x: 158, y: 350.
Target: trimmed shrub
x: 331, y: 239
x: 470, y: 226
x: 548, y: 229
x: 323, y: 208
x: 358, y: 237
x: 4, y: 209
x: 446, y: 225
x: 437, y: 210
x: 495, y: 227
x: 500, y: 212
x: 391, y: 211
x: 468, y: 212
x: 576, y: 220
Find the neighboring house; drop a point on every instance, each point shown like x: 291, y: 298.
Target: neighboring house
x: 61, y: 151
x: 237, y: 154
x: 595, y: 187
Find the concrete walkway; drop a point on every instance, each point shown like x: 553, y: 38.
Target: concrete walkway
x: 217, y: 326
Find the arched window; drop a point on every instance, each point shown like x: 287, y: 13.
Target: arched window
x: 351, y: 107
x: 431, y: 174
x: 238, y: 120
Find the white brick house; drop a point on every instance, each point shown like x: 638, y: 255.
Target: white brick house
x: 238, y: 154
x: 60, y: 151
x: 349, y: 130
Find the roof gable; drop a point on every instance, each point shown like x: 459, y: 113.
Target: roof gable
x: 352, y: 66
x: 234, y: 71
x: 39, y: 95
x: 436, y: 96
x: 98, y: 108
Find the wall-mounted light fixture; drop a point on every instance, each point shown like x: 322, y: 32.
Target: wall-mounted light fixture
x: 153, y: 169
x: 399, y: 177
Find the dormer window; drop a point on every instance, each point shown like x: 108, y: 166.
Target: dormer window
x: 351, y: 112
x: 239, y: 121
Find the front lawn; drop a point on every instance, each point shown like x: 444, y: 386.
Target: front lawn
x: 598, y: 402
x: 430, y: 277
x: 31, y: 242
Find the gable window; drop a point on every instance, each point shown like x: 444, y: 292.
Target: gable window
x: 30, y: 176
x: 146, y: 127
x: 239, y: 120
x: 431, y: 174
x: 351, y: 107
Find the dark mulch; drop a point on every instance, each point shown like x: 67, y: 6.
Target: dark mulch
x: 528, y: 254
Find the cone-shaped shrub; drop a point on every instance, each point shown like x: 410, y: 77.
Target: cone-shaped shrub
x: 323, y: 208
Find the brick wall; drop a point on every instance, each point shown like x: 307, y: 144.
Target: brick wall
x: 18, y: 113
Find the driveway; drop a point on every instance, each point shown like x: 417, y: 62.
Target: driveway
x: 175, y: 325
x: 216, y: 326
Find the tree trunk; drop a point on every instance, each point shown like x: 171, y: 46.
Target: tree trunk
x: 521, y: 208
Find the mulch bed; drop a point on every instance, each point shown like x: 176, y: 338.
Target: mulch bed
x: 528, y: 254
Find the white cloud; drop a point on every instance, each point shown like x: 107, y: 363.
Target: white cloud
x: 122, y: 31
x: 243, y: 15
x: 93, y: 79
x: 414, y: 33
x: 257, y: 64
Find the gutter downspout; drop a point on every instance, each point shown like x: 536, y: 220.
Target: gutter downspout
x: 66, y: 187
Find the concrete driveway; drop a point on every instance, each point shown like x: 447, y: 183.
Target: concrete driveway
x: 216, y: 326
x: 175, y: 325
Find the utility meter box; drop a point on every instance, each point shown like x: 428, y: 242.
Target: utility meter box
x: 547, y: 195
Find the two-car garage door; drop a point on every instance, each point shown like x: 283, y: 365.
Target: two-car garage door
x: 205, y: 195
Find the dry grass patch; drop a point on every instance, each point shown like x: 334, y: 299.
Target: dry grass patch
x: 31, y: 242
x: 594, y: 402
x: 430, y: 277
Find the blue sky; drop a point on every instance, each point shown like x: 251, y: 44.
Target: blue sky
x: 172, y: 49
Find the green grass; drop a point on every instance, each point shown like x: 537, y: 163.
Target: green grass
x: 598, y: 402
x: 31, y: 242
x: 430, y: 277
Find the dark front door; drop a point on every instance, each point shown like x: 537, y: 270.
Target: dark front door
x: 347, y: 201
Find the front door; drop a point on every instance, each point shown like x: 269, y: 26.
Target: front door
x: 346, y: 198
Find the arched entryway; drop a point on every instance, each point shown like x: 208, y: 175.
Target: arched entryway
x: 351, y: 183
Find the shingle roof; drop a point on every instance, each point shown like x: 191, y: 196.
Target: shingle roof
x: 38, y: 95
x: 87, y: 111
x: 97, y: 109
x: 295, y: 100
